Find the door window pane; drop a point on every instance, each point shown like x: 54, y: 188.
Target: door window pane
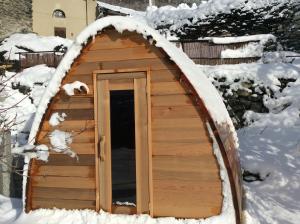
x: 123, y: 146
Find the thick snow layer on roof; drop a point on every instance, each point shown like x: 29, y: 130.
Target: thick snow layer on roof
x: 203, y: 86
x: 122, y: 10
x: 19, y: 42
x: 263, y: 38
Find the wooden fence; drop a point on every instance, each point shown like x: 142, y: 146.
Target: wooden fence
x: 49, y: 58
x: 206, y: 53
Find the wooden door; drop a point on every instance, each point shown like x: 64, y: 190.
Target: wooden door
x: 105, y: 83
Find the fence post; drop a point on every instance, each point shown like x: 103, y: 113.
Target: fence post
x: 5, y: 163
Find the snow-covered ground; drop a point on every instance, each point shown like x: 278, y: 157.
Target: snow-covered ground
x: 269, y: 145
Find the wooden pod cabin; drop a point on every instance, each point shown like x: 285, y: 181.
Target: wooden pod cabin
x: 151, y: 135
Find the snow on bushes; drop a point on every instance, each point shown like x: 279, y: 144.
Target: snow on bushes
x: 30, y: 42
x: 33, y: 151
x: 33, y: 80
x: 21, y: 93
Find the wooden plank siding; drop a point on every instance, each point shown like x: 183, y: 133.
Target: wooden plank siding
x: 185, y: 175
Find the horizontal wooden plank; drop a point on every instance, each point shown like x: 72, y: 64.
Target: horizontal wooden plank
x: 74, y: 114
x: 184, y: 165
x: 70, y: 125
x: 153, y: 64
x: 181, y: 149
x: 73, y: 103
x: 121, y: 84
x: 159, y: 123
x: 63, y: 182
x: 65, y: 160
x: 113, y: 41
x: 85, y: 136
x: 121, y: 75
x: 167, y: 88
x: 165, y: 75
x: 174, y: 112
x: 171, y: 100
x: 64, y: 193
x: 207, y: 175
x: 127, y: 210
x: 80, y: 68
x: 194, y: 186
x: 180, y: 135
x: 62, y: 203
x: 66, y: 171
x: 85, y: 78
x: 139, y: 52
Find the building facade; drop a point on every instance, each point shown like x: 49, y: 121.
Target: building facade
x: 64, y: 18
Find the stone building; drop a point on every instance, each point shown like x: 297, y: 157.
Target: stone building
x: 15, y: 16
x: 64, y: 18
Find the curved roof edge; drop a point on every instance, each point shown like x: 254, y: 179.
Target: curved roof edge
x: 205, y: 89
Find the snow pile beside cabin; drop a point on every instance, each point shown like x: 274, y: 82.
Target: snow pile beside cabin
x: 29, y: 43
x: 255, y: 47
x: 269, y: 144
x: 122, y: 10
x: 21, y: 94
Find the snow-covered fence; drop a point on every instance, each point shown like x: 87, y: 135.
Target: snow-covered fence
x: 206, y: 53
x: 29, y: 59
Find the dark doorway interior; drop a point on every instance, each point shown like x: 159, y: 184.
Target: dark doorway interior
x: 60, y: 32
x: 123, y: 146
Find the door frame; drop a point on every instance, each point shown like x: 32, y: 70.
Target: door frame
x: 123, y: 73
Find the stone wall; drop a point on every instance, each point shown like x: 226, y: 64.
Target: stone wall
x: 249, y: 96
x: 142, y: 4
x: 15, y: 16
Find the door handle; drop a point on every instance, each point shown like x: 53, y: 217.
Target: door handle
x: 102, y: 147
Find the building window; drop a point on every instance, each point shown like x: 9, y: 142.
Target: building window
x: 60, y: 32
x: 57, y: 13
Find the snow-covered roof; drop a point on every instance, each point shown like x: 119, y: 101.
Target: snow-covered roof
x: 197, y: 78
x: 122, y: 10
x: 240, y: 39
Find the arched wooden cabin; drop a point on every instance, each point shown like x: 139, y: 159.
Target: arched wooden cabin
x: 152, y: 134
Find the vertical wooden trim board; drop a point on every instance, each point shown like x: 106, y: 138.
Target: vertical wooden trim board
x: 96, y: 142
x: 141, y: 145
x: 150, y: 142
x: 104, y: 145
